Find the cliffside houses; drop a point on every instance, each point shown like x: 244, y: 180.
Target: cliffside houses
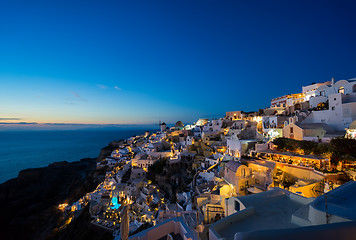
x: 223, y: 175
x: 225, y: 179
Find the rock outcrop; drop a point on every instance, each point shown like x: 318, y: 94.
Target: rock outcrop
x: 29, y: 203
x: 106, y: 151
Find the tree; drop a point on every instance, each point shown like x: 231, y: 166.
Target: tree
x: 285, y: 144
x: 281, y: 143
x: 342, y: 148
x: 308, y: 147
x: 156, y: 168
x: 323, y: 149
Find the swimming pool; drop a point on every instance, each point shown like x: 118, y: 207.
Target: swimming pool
x: 115, y: 204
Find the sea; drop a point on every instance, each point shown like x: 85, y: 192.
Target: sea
x: 31, y: 149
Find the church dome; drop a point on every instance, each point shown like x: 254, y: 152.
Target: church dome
x: 353, y: 125
x: 179, y: 124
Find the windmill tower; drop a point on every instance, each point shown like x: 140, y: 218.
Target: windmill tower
x: 163, y: 126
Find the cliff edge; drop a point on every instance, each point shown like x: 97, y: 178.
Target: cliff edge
x: 29, y: 203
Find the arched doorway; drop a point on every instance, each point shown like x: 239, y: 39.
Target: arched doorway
x: 354, y: 88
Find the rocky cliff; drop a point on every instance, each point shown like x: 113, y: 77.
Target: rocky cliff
x: 29, y: 203
x: 106, y: 151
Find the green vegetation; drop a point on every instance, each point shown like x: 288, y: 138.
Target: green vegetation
x: 339, y: 149
x: 292, y: 145
x: 343, y: 149
x: 156, y: 168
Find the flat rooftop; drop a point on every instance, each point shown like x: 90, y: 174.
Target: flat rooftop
x: 271, y: 212
x: 341, y: 201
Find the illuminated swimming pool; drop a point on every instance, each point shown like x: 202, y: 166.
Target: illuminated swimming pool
x: 115, y: 205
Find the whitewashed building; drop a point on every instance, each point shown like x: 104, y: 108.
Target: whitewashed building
x: 341, y: 111
x: 278, y: 214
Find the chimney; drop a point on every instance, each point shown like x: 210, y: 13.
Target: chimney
x: 332, y: 81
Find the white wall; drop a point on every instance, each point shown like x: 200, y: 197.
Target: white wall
x: 339, y: 116
x: 230, y: 205
x: 317, y: 217
x: 175, y: 225
x: 314, y: 101
x: 234, y: 146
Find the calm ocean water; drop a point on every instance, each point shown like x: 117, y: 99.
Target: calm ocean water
x: 30, y: 149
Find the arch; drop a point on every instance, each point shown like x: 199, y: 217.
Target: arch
x: 286, y: 123
x: 341, y: 90
x: 354, y: 88
x: 297, y: 106
x: 341, y: 82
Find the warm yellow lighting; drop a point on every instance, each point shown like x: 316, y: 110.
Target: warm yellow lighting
x: 68, y: 221
x: 62, y: 206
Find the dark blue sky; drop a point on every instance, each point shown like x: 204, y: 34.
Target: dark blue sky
x: 142, y: 61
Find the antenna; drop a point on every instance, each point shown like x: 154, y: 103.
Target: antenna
x: 327, y: 215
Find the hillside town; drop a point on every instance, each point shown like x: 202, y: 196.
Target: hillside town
x: 284, y: 171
